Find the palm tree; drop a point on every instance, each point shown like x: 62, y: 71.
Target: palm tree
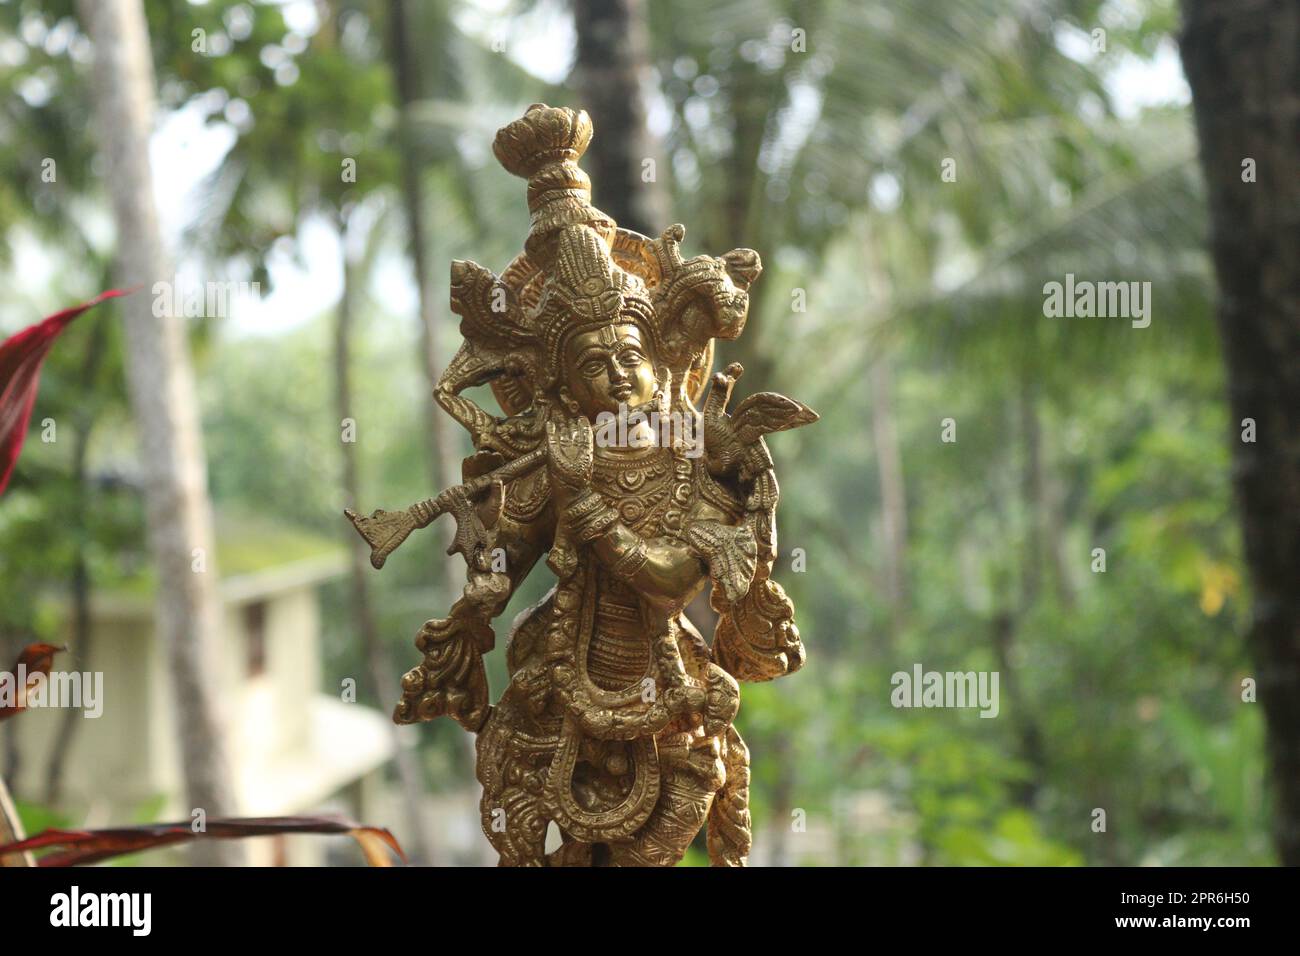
x: 442, y: 449
x: 610, y: 74
x: 1243, y: 64
x: 162, y: 391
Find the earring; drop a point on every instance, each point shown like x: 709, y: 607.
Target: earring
x: 664, y: 400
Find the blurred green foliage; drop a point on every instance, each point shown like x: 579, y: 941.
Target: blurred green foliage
x: 1120, y: 691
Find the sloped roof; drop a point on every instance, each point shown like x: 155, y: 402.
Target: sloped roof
x: 257, y: 557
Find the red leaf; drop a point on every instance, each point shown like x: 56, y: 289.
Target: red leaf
x: 36, y: 659
x: 21, y: 356
x: 92, y: 846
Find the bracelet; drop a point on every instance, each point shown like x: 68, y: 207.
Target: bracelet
x: 587, y: 502
x: 589, y: 517
x: 630, y: 561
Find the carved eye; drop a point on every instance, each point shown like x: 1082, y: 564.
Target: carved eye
x: 630, y: 358
x: 592, y: 369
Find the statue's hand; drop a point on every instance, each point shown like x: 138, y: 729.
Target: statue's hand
x: 569, y: 457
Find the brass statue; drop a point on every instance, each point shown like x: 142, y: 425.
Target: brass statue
x: 597, y: 343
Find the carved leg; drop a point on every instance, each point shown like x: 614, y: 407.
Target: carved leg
x: 692, y: 775
x: 672, y: 826
x: 572, y: 853
x: 730, y: 836
x: 515, y: 828
x: 512, y: 766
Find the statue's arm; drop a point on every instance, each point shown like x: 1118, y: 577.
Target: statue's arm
x: 665, y: 570
x: 492, y: 577
x: 670, y: 571
x: 520, y: 546
x: 662, y: 569
x: 450, y: 679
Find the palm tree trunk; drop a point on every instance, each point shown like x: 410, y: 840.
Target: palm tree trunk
x: 609, y: 72
x: 378, y: 662
x: 82, y: 634
x: 1029, y: 734
x: 893, y: 492
x: 161, y: 385
x: 742, y: 224
x: 1032, y: 489
x: 1243, y: 64
x: 79, y: 583
x: 443, y: 469
x: 884, y: 436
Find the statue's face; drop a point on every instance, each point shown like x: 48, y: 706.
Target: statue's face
x: 609, y: 367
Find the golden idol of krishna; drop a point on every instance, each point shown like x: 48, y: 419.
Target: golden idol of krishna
x: 618, y: 721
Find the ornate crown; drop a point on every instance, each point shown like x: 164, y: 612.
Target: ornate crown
x: 544, y: 148
x: 580, y: 272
